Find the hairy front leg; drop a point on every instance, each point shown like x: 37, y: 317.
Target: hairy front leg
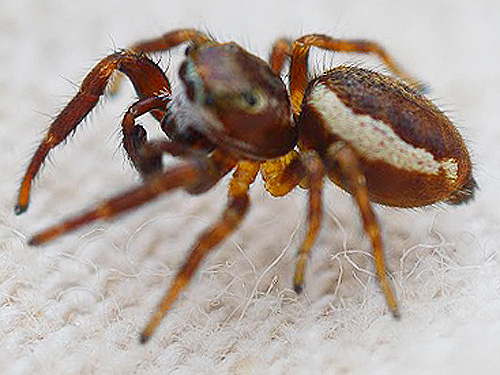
x: 163, y: 43
x: 148, y: 80
x: 170, y: 40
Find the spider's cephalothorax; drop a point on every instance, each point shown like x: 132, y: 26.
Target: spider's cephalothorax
x: 242, y: 105
x: 373, y: 135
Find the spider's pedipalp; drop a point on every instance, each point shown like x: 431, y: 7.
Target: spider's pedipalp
x: 143, y: 157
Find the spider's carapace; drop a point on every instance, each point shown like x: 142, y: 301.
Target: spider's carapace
x: 373, y: 135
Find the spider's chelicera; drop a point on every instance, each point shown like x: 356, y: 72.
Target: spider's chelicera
x: 373, y: 135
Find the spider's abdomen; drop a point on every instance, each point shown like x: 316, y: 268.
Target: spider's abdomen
x: 411, y: 153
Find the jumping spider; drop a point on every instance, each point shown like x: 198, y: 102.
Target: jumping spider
x: 373, y: 135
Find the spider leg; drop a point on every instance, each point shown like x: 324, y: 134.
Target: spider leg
x: 139, y: 151
x: 356, y: 183
x: 231, y: 218
x: 171, y: 39
x: 281, y: 176
x: 148, y: 80
x: 163, y: 43
x: 302, y: 46
x: 314, y: 170
x: 281, y: 49
x: 193, y: 174
x: 273, y: 171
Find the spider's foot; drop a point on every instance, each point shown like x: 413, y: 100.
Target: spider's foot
x: 144, y: 338
x: 34, y: 241
x: 395, y: 313
x: 20, y: 208
x: 298, y: 288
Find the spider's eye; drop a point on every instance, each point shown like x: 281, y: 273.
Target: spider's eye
x: 251, y: 101
x: 209, y: 99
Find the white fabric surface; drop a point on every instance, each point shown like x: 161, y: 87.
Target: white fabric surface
x: 76, y: 306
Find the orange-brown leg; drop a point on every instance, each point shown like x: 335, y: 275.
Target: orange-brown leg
x: 163, y: 43
x: 356, y: 183
x: 281, y: 175
x: 192, y: 174
x: 170, y: 40
x: 314, y: 170
x: 148, y: 80
x: 299, y: 67
x: 231, y: 218
x: 272, y: 170
x: 282, y: 48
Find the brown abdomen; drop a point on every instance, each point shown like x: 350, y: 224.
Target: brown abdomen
x: 411, y: 153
